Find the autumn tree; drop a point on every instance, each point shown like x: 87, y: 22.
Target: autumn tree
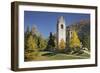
x: 34, y: 31
x: 74, y: 42
x: 31, y: 52
x: 42, y: 43
x: 31, y: 43
x: 62, y: 44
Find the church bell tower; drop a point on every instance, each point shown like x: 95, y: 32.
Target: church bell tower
x: 61, y: 30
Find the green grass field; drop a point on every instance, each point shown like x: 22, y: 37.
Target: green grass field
x: 58, y: 56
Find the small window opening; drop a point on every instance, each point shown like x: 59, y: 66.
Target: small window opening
x: 61, y: 26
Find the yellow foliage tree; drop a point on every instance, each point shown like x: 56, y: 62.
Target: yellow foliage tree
x: 31, y: 43
x: 62, y: 44
x: 74, y: 41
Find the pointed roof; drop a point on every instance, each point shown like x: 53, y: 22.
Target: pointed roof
x: 61, y: 19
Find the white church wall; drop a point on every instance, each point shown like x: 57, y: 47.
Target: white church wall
x: 61, y: 30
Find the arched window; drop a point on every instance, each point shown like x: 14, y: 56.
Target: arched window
x: 61, y: 26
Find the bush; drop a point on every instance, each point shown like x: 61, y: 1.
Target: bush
x: 29, y: 56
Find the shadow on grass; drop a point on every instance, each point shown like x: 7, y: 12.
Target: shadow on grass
x: 49, y: 54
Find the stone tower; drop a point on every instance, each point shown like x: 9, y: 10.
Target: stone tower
x: 61, y: 30
x: 69, y: 33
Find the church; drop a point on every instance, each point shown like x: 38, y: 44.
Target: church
x: 62, y: 30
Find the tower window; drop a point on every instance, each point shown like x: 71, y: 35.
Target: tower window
x: 61, y: 26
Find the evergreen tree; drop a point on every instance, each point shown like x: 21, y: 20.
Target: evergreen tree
x: 27, y: 30
x: 26, y: 36
x: 86, y: 41
x: 84, y: 36
x: 51, y: 43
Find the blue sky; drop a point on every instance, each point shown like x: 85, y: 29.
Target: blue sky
x: 46, y: 21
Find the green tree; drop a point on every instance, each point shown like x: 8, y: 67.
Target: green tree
x: 85, y: 36
x: 86, y: 41
x: 51, y: 42
x: 74, y: 41
x: 26, y: 36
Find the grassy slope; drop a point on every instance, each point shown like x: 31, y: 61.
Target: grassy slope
x: 61, y: 56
